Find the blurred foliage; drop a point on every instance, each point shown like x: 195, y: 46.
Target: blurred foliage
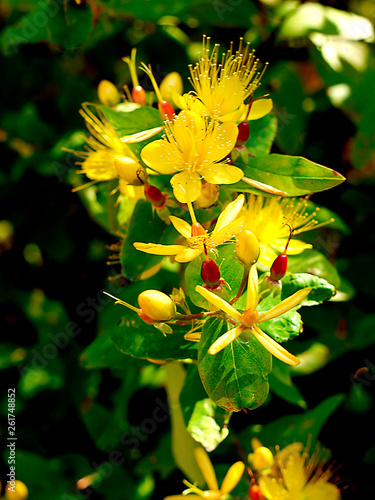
x: 83, y: 408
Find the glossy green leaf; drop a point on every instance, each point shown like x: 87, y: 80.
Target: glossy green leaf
x: 294, y: 175
x: 284, y: 327
x: 314, y: 262
x: 137, y: 120
x: 102, y: 353
x: 321, y: 289
x: 231, y: 270
x: 303, y: 427
x: 282, y: 385
x: 144, y: 226
x: 136, y: 338
x: 262, y: 135
x: 205, y: 421
x: 236, y: 377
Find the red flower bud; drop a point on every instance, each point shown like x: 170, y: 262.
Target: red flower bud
x: 166, y: 111
x: 255, y: 493
x: 210, y: 273
x: 279, y: 267
x: 154, y: 195
x: 139, y: 95
x: 243, y: 134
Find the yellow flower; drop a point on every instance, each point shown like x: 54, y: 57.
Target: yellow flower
x: 223, y: 84
x: 108, y: 156
x: 194, y: 148
x: 232, y: 478
x: 267, y: 218
x: 302, y: 477
x: 197, y: 238
x: 247, y: 322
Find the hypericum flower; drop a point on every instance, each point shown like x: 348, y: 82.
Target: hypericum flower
x: 197, y: 238
x: 223, y: 84
x: 248, y: 321
x: 195, y: 148
x: 299, y: 477
x: 108, y: 156
x: 267, y: 217
x: 231, y: 479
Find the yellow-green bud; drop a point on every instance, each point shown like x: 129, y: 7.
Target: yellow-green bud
x: 209, y: 195
x: 130, y: 170
x: 108, y: 93
x: 157, y: 305
x: 171, y: 84
x: 18, y: 491
x: 247, y: 248
x: 262, y: 458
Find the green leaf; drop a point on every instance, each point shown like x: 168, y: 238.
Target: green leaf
x: 144, y: 226
x: 127, y: 123
x: 292, y: 428
x: 294, y: 175
x: 313, y: 262
x: 205, y: 421
x: 136, y: 338
x: 321, y: 289
x: 102, y: 353
x: 49, y: 22
x: 262, y: 135
x: 231, y: 270
x: 236, y: 377
x: 284, y: 327
x: 282, y: 385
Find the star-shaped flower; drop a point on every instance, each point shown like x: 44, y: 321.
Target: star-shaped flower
x: 248, y: 321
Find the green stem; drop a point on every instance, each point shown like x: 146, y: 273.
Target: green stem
x: 242, y: 285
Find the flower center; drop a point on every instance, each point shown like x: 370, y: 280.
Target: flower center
x: 250, y: 318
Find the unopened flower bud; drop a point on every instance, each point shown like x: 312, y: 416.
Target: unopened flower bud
x: 279, y: 267
x: 16, y: 491
x: 157, y: 305
x: 139, y: 95
x: 210, y: 273
x: 178, y: 296
x: 209, y: 195
x: 262, y: 458
x: 171, y: 84
x: 130, y: 170
x: 154, y: 195
x: 247, y: 248
x: 166, y: 111
x: 108, y: 93
x: 243, y: 134
x: 197, y: 229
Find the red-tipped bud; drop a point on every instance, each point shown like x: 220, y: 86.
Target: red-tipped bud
x: 197, y: 229
x: 156, y: 305
x: 210, y: 273
x: 279, y: 267
x: 166, y: 111
x: 255, y: 493
x: 243, y: 134
x: 139, y: 95
x: 154, y: 195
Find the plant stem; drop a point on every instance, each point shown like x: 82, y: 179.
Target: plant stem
x: 242, y: 285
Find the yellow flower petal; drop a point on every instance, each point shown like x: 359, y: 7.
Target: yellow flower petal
x: 252, y: 289
x: 221, y: 173
x: 188, y: 254
x: 187, y: 186
x: 321, y: 490
x: 285, y: 305
x: 162, y: 157
x: 274, y: 348
x: 232, y: 477
x: 260, y: 108
x: 263, y: 187
x: 205, y: 465
x: 295, y: 247
x: 273, y: 488
x: 228, y: 232
x: 229, y: 213
x: 157, y: 249
x: 266, y: 255
x: 181, y: 226
x: 294, y: 474
x: 219, y: 302
x: 225, y: 339
x: 182, y: 497
x: 220, y: 142
x: 235, y: 116
x: 141, y: 136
